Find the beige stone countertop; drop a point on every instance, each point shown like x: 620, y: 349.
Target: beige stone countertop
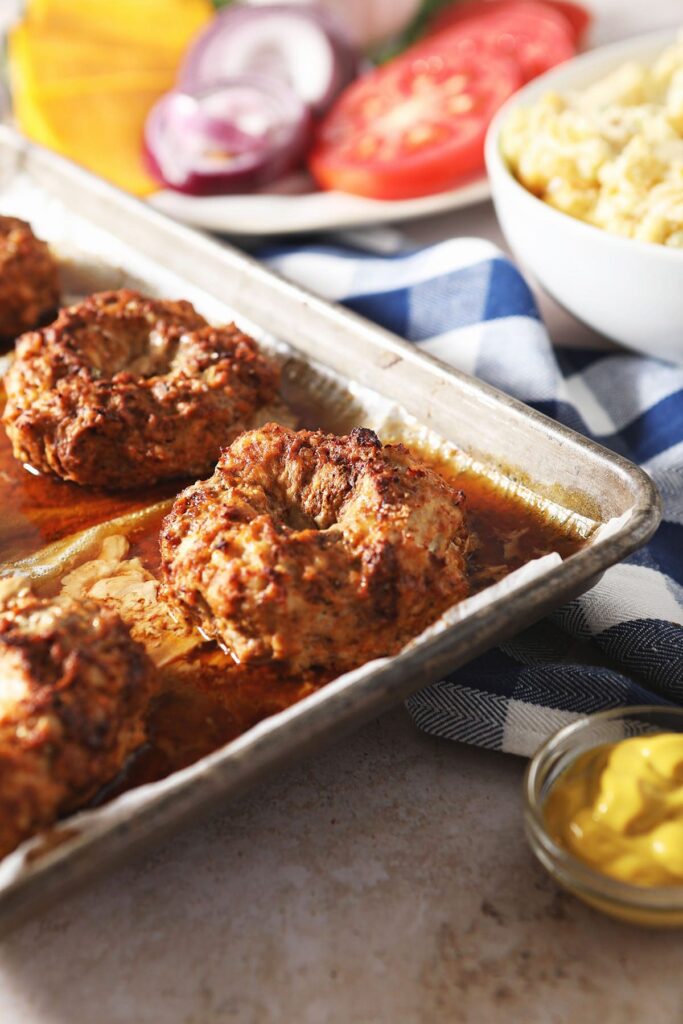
x: 385, y: 881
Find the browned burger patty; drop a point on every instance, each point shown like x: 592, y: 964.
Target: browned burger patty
x: 123, y: 390
x: 316, y: 550
x: 74, y: 692
x: 29, y: 286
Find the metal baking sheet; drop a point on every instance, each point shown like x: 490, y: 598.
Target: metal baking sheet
x: 353, y: 367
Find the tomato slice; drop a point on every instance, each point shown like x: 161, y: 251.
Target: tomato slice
x: 414, y: 126
x: 532, y: 33
x: 578, y: 18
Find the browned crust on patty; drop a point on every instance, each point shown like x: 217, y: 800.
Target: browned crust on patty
x: 74, y: 693
x: 29, y: 285
x: 122, y: 391
x: 315, y: 550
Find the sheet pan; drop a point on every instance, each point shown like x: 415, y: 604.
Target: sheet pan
x: 356, y: 368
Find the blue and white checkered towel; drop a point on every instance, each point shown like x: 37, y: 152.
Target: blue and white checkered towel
x: 622, y: 642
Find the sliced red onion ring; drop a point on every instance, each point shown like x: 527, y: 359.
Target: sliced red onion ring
x: 234, y: 137
x: 303, y: 45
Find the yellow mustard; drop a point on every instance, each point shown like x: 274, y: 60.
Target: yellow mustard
x: 619, y: 809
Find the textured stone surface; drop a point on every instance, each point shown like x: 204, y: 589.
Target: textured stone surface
x: 386, y: 880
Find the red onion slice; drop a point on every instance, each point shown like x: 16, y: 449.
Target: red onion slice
x: 236, y: 136
x: 303, y: 45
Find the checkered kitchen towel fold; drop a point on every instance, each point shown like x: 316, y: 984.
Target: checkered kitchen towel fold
x: 622, y: 642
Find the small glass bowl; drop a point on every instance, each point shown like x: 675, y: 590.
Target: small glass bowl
x: 652, y: 906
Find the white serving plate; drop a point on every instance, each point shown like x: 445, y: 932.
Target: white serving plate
x: 278, y: 214
x: 630, y: 291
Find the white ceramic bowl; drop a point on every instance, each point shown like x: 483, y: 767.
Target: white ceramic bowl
x: 630, y: 291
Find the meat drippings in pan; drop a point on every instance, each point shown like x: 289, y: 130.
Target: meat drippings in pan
x: 304, y: 555
x: 207, y: 699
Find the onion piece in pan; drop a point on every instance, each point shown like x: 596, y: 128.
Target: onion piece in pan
x: 302, y: 45
x: 235, y: 136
